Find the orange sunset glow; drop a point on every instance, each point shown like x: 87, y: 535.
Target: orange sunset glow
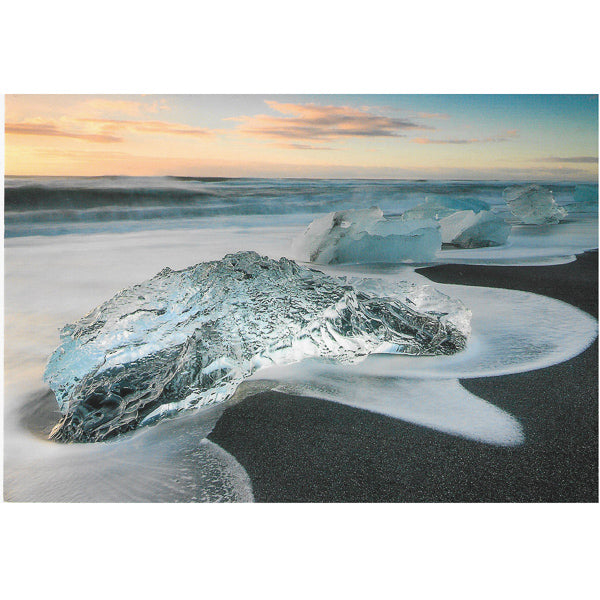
x: 471, y: 137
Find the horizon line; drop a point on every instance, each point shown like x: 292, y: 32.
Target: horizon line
x: 225, y: 177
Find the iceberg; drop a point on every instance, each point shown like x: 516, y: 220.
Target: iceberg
x: 438, y: 207
x: 467, y: 229
x: 188, y: 338
x: 366, y: 236
x: 465, y: 223
x: 585, y: 200
x: 533, y: 205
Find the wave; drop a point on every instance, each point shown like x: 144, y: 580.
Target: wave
x: 39, y: 197
x: 37, y: 205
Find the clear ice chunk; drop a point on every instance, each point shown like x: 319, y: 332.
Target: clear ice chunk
x: 585, y: 200
x: 465, y: 223
x: 533, y: 205
x: 366, y: 236
x: 188, y: 338
x: 437, y: 207
x: 467, y: 229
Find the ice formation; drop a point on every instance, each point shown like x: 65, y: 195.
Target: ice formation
x: 188, y: 338
x: 467, y: 229
x: 438, y: 207
x: 464, y: 223
x: 533, y: 205
x: 585, y: 200
x: 366, y: 236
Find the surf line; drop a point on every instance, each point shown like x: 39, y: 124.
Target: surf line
x: 512, y: 332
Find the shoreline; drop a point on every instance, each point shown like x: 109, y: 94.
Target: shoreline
x: 309, y: 450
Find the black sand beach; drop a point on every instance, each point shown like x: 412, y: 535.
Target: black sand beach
x: 308, y: 450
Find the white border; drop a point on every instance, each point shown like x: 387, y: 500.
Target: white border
x: 322, y: 551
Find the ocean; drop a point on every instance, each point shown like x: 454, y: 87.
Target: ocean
x: 69, y: 205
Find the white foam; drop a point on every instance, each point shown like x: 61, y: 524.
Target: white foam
x: 170, y: 463
x: 443, y: 405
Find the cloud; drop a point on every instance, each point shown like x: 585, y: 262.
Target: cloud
x: 135, y: 126
x: 569, y: 159
x: 297, y: 146
x: 52, y: 130
x: 425, y: 115
x: 131, y: 108
x: 80, y: 155
x: 410, y: 114
x: 100, y: 130
x: 316, y: 123
x: 507, y: 136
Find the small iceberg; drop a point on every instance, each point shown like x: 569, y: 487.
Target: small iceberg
x: 463, y: 223
x: 188, y: 338
x: 533, y: 205
x: 467, y: 229
x: 437, y: 207
x: 585, y: 200
x: 366, y: 236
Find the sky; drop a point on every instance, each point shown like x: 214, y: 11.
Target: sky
x: 517, y: 137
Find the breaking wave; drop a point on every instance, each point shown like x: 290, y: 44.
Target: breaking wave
x: 55, y: 205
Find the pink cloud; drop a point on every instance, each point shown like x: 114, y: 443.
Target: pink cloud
x: 425, y: 115
x: 100, y: 130
x: 299, y: 146
x: 135, y: 126
x: 50, y: 129
x: 131, y: 108
x: 569, y: 159
x: 315, y: 122
x: 504, y: 137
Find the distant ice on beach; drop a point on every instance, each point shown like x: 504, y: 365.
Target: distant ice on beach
x: 62, y: 205
x: 534, y: 205
x: 464, y: 223
x: 467, y: 229
x: 366, y: 236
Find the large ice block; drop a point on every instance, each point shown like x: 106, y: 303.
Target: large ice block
x: 585, y: 200
x: 467, y: 229
x: 533, y: 205
x: 437, y: 207
x: 366, y: 236
x: 466, y: 223
x: 188, y: 338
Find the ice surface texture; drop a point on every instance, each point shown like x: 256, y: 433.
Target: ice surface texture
x: 467, y: 229
x: 435, y: 207
x: 585, y: 200
x: 188, y: 338
x: 533, y: 205
x: 366, y: 236
x: 464, y: 223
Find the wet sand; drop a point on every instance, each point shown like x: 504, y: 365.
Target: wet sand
x: 308, y: 450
